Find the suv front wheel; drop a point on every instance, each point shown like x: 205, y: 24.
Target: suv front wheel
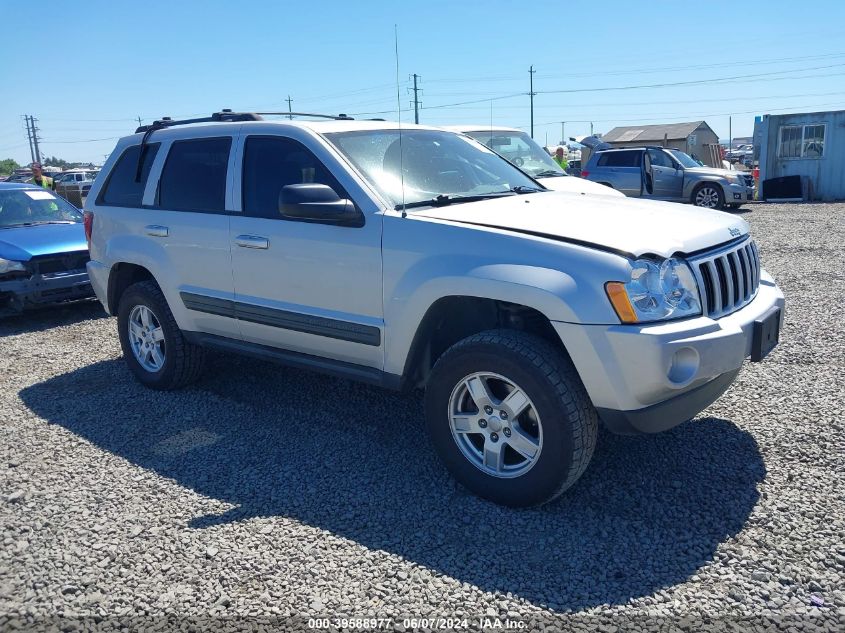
x: 510, y: 418
x: 708, y: 195
x: 153, y: 345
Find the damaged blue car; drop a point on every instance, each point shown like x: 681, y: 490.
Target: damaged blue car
x: 43, y: 250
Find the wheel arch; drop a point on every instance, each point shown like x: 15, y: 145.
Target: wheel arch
x: 453, y: 318
x: 121, y: 276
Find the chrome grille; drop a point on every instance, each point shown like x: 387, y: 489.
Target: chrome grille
x: 727, y: 278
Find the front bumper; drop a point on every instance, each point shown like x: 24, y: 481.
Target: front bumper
x: 17, y: 295
x: 652, y: 377
x: 735, y: 194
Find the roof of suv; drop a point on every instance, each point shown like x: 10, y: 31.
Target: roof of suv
x: 231, y: 127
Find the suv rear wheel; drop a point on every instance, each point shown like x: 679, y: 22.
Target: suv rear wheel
x: 708, y: 195
x: 510, y: 418
x: 152, y: 343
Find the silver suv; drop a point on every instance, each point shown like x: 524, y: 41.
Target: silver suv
x: 662, y: 173
x: 414, y: 257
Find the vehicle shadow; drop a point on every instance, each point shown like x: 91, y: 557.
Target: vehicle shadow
x: 50, y: 317
x: 355, y: 461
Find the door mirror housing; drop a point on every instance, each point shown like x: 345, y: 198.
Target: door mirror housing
x: 313, y: 202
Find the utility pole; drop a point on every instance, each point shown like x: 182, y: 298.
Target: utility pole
x: 35, y: 139
x: 139, y: 122
x: 290, y: 107
x: 29, y: 138
x: 591, y: 128
x: 531, y: 94
x: 730, y: 135
x: 417, y: 102
x: 563, y: 133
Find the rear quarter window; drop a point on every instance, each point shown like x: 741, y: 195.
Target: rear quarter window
x: 121, y: 188
x: 194, y: 175
x: 620, y: 159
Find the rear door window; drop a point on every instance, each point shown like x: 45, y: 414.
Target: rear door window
x: 122, y: 189
x: 620, y: 159
x: 194, y: 175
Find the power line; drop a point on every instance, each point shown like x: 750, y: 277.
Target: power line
x: 695, y: 82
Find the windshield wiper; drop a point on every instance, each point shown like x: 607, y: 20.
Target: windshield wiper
x: 444, y: 200
x: 549, y: 173
x: 39, y: 222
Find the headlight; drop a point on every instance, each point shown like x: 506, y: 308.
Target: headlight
x: 8, y: 266
x: 735, y: 179
x: 656, y: 292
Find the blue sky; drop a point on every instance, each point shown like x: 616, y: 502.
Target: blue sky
x: 87, y: 70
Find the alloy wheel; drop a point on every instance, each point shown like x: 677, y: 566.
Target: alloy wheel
x: 495, y: 425
x: 146, y: 338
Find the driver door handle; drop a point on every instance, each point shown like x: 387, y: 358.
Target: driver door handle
x: 252, y: 241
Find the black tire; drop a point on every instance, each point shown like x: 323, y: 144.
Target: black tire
x: 569, y: 420
x: 717, y: 197
x: 183, y: 361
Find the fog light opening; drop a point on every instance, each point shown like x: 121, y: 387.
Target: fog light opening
x: 684, y: 366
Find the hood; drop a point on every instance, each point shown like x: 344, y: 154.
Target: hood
x: 578, y: 185
x: 712, y: 171
x: 626, y: 225
x: 25, y: 242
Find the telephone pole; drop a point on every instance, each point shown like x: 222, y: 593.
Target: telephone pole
x: 29, y: 138
x: 531, y: 94
x: 290, y: 107
x: 563, y: 133
x: 417, y: 102
x: 35, y: 138
x: 139, y: 122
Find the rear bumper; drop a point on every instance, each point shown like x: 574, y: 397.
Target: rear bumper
x: 99, y: 275
x: 650, y: 378
x: 42, y: 290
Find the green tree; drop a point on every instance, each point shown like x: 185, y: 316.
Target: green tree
x: 8, y: 166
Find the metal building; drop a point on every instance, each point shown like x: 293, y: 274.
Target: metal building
x: 810, y: 145
x: 696, y: 138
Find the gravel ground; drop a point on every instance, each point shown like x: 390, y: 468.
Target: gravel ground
x: 263, y: 495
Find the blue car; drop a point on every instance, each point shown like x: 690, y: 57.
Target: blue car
x: 43, y: 250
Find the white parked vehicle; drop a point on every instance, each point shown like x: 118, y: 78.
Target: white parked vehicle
x: 524, y: 152
x: 418, y: 258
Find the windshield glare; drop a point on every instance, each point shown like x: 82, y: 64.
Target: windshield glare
x: 434, y: 163
x: 32, y: 206
x: 685, y: 159
x: 521, y: 150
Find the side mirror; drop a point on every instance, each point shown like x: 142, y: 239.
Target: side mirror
x: 312, y: 202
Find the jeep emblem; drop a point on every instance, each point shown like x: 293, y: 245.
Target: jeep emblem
x: 735, y: 232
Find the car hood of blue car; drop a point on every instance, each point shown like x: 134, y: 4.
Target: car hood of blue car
x: 25, y: 242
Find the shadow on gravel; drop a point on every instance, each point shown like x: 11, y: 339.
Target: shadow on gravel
x: 355, y: 461
x: 50, y: 317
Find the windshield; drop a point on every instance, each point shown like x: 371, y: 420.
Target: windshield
x: 21, y: 207
x: 685, y: 159
x: 434, y: 163
x: 520, y: 149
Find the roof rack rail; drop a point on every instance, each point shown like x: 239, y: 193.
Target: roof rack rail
x: 218, y: 117
x: 336, y: 117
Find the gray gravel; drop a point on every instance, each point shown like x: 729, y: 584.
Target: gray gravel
x: 265, y: 495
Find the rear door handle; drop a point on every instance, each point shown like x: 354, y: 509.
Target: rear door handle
x: 156, y: 230
x: 252, y: 241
